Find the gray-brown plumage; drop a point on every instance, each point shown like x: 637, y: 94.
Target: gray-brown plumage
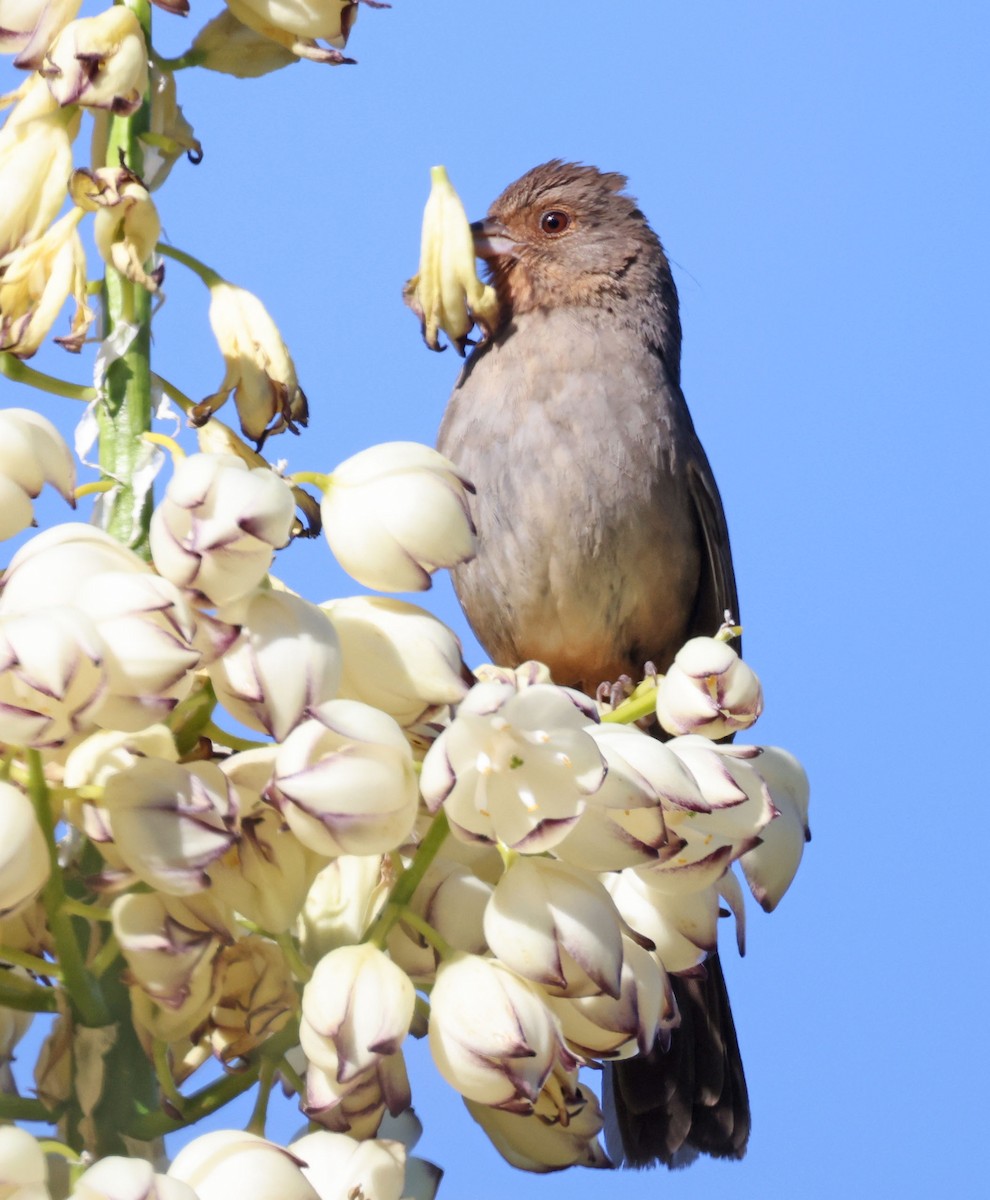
x: 602, y: 540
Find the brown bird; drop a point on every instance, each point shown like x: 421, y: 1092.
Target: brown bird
x: 602, y: 539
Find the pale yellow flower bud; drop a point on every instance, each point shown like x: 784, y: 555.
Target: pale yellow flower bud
x: 99, y: 62
x: 447, y: 293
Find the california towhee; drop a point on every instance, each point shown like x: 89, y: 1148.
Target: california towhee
x: 602, y: 539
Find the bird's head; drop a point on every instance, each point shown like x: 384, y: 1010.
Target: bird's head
x: 566, y: 234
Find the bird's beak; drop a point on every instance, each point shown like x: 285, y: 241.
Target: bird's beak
x: 492, y: 240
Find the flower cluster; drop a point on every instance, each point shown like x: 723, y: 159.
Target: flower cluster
x: 248, y: 832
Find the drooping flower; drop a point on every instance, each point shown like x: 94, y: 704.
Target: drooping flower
x: 99, y: 62
x: 492, y: 1036
x: 395, y: 513
x: 36, y: 279
x: 24, y: 861
x: 558, y: 926
x: 285, y: 662
x: 344, y: 780
x: 35, y: 164
x: 397, y: 657
x: 300, y: 25
x: 260, y: 371
x: 126, y: 227
x: 218, y: 525
x: 32, y: 453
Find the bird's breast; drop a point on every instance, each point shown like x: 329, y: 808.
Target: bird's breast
x: 588, y: 548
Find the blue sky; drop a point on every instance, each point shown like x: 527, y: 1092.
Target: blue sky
x: 818, y: 175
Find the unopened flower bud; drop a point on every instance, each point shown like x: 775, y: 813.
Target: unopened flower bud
x: 396, y: 512
x: 708, y: 690
x: 357, y: 1009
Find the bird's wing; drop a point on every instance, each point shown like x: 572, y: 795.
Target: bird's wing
x: 717, y: 587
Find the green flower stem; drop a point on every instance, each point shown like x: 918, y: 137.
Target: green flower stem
x: 20, y: 372
x: 291, y: 1076
x: 317, y: 479
x: 82, y: 988
x: 191, y: 58
x: 104, y: 958
x: 230, y: 740
x: 30, y: 962
x: 126, y: 411
x: 405, y: 886
x: 20, y: 1108
x: 259, y: 1117
x: 163, y: 1073
x: 215, y: 1095
x: 415, y: 921
x: 200, y: 269
x: 642, y: 703
x: 24, y: 996
x: 296, y: 963
x: 88, y: 912
x: 172, y: 391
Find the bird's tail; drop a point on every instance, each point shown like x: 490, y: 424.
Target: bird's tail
x: 673, y: 1104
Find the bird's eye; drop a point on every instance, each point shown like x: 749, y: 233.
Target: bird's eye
x: 554, y: 221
